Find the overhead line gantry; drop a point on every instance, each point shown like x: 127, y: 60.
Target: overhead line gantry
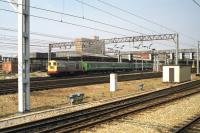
x: 174, y: 37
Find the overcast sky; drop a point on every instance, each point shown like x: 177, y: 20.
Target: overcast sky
x: 182, y: 16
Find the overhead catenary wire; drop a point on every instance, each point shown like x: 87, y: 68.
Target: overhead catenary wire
x: 74, y: 24
x: 140, y: 17
x: 10, y: 47
x: 55, y: 42
x: 39, y: 34
x: 92, y: 20
x: 30, y: 15
x: 145, y: 19
x: 116, y: 16
x: 83, y: 11
x: 84, y: 3
x: 9, y: 43
x: 67, y: 22
x: 80, y: 17
x: 196, y: 3
x: 33, y: 40
x: 63, y: 7
x: 104, y: 11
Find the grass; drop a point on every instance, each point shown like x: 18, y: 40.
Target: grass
x: 14, y: 76
x: 48, y: 99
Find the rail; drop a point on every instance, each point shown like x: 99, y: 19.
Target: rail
x: 91, y: 116
x: 37, y: 85
x: 193, y: 125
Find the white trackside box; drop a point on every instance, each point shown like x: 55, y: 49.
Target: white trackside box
x: 176, y: 73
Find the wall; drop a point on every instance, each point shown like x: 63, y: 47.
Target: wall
x: 185, y: 73
x: 9, y: 67
x: 165, y: 74
x: 176, y: 73
x: 181, y: 73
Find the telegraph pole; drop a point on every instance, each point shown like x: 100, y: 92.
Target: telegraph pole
x: 198, y: 58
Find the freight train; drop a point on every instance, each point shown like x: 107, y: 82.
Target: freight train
x: 68, y: 67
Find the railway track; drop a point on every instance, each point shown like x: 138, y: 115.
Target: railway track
x: 70, y: 76
x: 44, y: 84
x: 79, y: 120
x: 192, y: 126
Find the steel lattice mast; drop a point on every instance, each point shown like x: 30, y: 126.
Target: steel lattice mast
x: 22, y: 8
x: 173, y: 37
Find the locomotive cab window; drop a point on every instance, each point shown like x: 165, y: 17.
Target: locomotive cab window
x: 54, y: 63
x: 49, y: 63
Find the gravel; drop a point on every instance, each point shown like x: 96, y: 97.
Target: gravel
x: 49, y: 99
x: 159, y: 119
x: 53, y: 102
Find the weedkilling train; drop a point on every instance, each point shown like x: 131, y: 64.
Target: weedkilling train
x: 70, y: 67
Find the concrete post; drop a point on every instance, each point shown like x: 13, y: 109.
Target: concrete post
x: 154, y: 63
x: 23, y: 55
x: 157, y: 63
x: 49, y: 53
x: 113, y: 82
x: 142, y: 64
x: 136, y: 66
x: 198, y: 58
x: 177, y: 48
x: 119, y: 56
x: 165, y: 58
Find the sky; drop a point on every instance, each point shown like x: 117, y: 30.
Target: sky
x: 182, y: 16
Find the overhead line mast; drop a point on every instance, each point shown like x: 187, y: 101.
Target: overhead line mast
x: 173, y: 37
x: 23, y: 9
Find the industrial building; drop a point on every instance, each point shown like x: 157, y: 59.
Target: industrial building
x: 85, y: 45
x: 0, y: 64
